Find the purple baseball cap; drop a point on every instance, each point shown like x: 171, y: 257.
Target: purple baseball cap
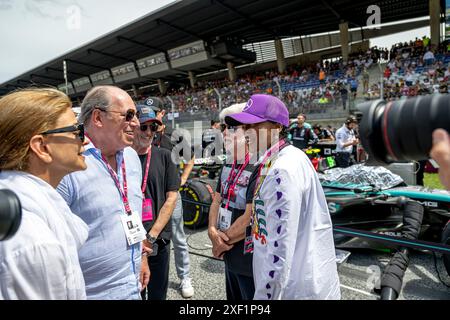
x: 260, y: 108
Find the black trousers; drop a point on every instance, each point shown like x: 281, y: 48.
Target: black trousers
x: 159, y: 273
x: 238, y: 287
x: 420, y: 169
x: 343, y: 159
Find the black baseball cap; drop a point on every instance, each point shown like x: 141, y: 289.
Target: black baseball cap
x: 154, y: 102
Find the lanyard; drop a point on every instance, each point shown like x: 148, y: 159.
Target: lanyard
x: 147, y: 166
x: 232, y: 174
x: 267, y: 163
x: 113, y: 174
x: 234, y: 177
x: 124, y: 192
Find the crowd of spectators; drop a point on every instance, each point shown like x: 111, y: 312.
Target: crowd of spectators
x: 412, y: 69
x: 302, y: 87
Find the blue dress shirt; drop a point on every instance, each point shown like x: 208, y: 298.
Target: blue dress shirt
x: 110, y: 266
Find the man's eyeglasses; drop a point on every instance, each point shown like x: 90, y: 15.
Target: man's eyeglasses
x: 153, y: 127
x: 74, y: 128
x: 129, y: 115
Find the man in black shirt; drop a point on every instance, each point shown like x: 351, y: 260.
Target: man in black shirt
x: 211, y: 139
x: 344, y: 95
x: 322, y: 133
x: 302, y: 137
x: 238, y: 262
x: 229, y: 217
x: 163, y: 140
x: 160, y: 188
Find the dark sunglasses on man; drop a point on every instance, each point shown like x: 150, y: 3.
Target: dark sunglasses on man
x: 129, y: 114
x: 153, y: 127
x: 75, y: 128
x: 223, y: 127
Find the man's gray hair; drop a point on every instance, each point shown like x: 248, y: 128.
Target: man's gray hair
x: 234, y: 108
x: 97, y: 97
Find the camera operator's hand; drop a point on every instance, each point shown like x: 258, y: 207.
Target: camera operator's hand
x: 441, y: 153
x: 355, y: 142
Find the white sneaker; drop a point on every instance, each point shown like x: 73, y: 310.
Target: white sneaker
x: 187, y: 290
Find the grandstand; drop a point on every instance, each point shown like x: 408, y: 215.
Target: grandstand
x: 199, y: 56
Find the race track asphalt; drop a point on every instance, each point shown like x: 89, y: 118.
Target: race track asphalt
x: 358, y: 275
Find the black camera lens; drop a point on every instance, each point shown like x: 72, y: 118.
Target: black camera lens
x: 10, y: 214
x: 402, y: 130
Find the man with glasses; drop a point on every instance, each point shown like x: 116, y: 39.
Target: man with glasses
x: 160, y: 190
x: 107, y: 196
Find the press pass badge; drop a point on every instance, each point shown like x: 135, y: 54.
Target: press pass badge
x: 134, y: 230
x: 224, y: 219
x: 248, y: 241
x: 147, y: 210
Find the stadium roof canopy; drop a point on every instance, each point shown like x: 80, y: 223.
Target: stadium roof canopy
x: 187, y: 21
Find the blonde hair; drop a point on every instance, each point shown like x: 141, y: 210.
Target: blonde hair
x: 23, y: 114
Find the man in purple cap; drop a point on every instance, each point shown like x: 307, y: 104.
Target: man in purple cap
x: 294, y: 256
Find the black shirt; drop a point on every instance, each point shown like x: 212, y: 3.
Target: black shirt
x: 236, y: 260
x: 209, y: 136
x: 162, y: 178
x: 212, y: 139
x: 163, y: 141
x: 324, y: 134
x: 302, y: 137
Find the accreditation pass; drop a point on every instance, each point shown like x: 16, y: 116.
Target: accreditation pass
x: 134, y: 230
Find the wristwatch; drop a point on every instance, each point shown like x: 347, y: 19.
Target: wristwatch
x: 150, y: 239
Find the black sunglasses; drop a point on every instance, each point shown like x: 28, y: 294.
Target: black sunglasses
x: 153, y: 127
x: 74, y: 128
x: 223, y: 127
x: 129, y: 115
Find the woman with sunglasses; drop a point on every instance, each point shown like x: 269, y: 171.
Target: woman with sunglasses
x: 40, y: 143
x: 160, y: 190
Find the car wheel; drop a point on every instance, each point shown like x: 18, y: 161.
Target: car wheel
x: 196, y: 191
x: 446, y: 240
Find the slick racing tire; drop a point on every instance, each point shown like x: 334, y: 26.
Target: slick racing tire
x: 197, y: 196
x: 446, y: 240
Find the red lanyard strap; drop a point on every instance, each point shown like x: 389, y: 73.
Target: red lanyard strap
x: 234, y: 178
x: 266, y: 162
x: 124, y: 192
x: 147, y: 166
x: 113, y: 174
